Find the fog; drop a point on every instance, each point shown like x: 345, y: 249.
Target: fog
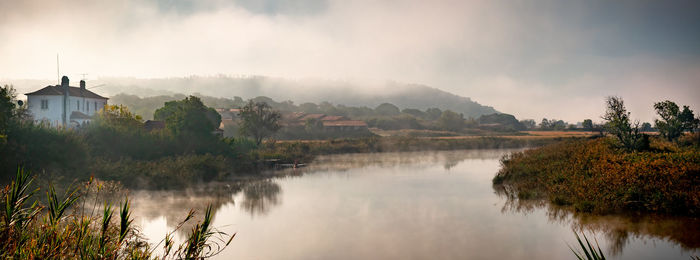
x: 554, y: 59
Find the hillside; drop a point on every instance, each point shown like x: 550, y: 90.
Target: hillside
x: 298, y: 91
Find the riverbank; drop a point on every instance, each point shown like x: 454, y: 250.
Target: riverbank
x: 593, y: 175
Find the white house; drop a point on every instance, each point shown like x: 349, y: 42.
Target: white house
x: 63, y: 105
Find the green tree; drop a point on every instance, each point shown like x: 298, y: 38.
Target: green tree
x: 618, y: 124
x: 528, y: 123
x: 259, y: 121
x: 433, y: 113
x: 7, y: 110
x: 118, y: 117
x: 387, y: 109
x: 451, y: 121
x: 674, y: 121
x: 188, y: 117
x: 587, y: 124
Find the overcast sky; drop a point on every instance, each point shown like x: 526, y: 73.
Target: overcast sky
x: 534, y: 59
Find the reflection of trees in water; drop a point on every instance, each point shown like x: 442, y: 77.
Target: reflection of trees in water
x: 448, y: 159
x: 618, y: 229
x: 174, y: 204
x: 260, y: 196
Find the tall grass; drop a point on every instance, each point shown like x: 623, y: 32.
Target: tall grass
x: 589, y: 251
x: 87, y: 234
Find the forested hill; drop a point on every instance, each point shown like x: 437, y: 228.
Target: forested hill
x: 298, y: 91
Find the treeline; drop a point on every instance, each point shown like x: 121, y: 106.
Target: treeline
x: 385, y: 116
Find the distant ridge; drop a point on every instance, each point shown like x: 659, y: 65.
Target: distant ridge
x: 299, y: 91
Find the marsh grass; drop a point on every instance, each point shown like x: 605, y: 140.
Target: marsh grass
x: 33, y: 231
x: 597, y: 176
x: 588, y: 250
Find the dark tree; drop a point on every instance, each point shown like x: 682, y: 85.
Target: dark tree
x: 451, y: 121
x: 587, y: 124
x: 259, y: 121
x: 618, y: 124
x: 528, y: 123
x: 674, y: 121
x: 387, y: 109
x: 188, y: 117
x: 433, y: 113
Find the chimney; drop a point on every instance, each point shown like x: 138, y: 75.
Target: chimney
x: 64, y: 82
x: 82, y: 85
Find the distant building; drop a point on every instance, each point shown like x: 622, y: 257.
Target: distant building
x: 63, y: 105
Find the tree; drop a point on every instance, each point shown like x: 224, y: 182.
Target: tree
x: 433, y: 113
x: 7, y: 109
x: 646, y: 127
x: 451, y: 121
x: 618, y: 124
x: 387, y: 109
x: 259, y: 121
x: 414, y: 112
x: 118, y: 117
x: 188, y: 117
x: 544, y: 125
x: 688, y: 120
x: 528, y: 123
x: 505, y: 122
x: 587, y: 124
x: 673, y: 121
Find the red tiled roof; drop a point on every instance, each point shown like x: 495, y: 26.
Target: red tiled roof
x: 57, y: 90
x: 345, y: 123
x: 332, y: 118
x: 312, y: 116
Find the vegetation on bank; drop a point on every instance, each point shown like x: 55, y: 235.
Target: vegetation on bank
x: 65, y: 229
x: 597, y: 176
x: 627, y: 171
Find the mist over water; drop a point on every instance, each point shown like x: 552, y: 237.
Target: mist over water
x: 427, y: 205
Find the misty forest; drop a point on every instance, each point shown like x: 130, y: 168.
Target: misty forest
x: 324, y: 129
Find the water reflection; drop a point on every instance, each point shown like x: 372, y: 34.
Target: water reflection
x: 423, y: 159
x: 417, y: 205
x: 260, y: 196
x: 257, y: 197
x: 618, y: 229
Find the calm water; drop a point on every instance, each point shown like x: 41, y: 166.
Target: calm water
x: 436, y: 205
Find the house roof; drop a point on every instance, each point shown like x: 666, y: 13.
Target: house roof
x: 332, y: 118
x: 57, y: 90
x: 312, y: 116
x: 345, y: 123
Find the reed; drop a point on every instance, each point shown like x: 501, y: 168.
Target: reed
x: 63, y: 233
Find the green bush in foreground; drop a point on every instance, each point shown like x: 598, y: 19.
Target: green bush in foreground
x: 596, y: 176
x: 29, y: 230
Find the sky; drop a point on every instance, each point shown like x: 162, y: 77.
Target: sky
x: 533, y: 59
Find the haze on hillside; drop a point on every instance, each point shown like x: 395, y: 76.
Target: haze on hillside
x: 533, y: 59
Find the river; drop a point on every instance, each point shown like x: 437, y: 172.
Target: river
x: 426, y: 205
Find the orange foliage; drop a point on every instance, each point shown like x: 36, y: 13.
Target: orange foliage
x: 593, y: 175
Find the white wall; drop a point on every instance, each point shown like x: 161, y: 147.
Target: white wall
x: 54, y: 113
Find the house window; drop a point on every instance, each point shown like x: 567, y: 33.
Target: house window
x: 44, y: 104
x: 77, y: 102
x: 95, y: 105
